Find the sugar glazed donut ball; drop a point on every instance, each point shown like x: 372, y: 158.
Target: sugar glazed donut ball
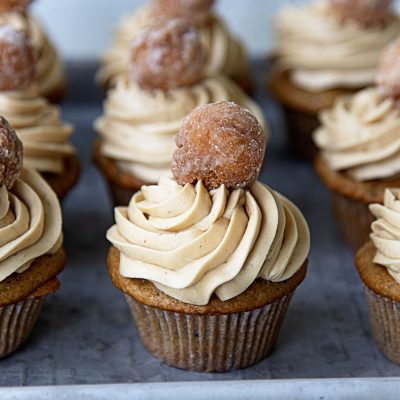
x: 11, y: 154
x: 219, y: 143
x: 17, y: 59
x: 388, y: 77
x: 195, y: 11
x: 167, y: 54
x: 364, y: 12
x: 14, y: 5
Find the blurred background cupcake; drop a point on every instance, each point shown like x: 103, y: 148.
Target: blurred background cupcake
x: 37, y: 122
x: 378, y: 264
x: 225, y: 54
x: 49, y: 70
x: 211, y: 258
x: 30, y: 243
x: 324, y: 50
x: 359, y: 142
x: 144, y: 110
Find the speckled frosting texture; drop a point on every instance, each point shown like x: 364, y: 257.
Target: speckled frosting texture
x: 386, y: 232
x: 324, y: 53
x: 138, y: 126
x: 360, y: 135
x: 30, y: 223
x: 39, y: 126
x: 192, y: 243
x: 225, y: 52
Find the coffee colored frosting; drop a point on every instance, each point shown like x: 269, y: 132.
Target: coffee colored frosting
x: 30, y: 223
x: 323, y: 53
x: 192, y: 243
x: 49, y: 68
x: 138, y: 126
x: 225, y: 52
x: 360, y: 135
x: 39, y: 126
x: 386, y: 232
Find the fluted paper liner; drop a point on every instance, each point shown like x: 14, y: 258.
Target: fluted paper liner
x: 353, y: 218
x: 384, y: 316
x: 16, y: 323
x: 210, y: 343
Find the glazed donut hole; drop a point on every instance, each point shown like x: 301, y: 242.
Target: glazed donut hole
x: 220, y: 144
x: 14, y: 5
x: 167, y: 54
x: 17, y: 59
x: 364, y: 12
x: 11, y: 154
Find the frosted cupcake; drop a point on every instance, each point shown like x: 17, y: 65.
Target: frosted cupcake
x: 225, y: 54
x: 31, y: 253
x: 360, y: 149
x: 378, y: 264
x: 209, y: 260
x: 49, y: 69
x: 37, y: 122
x: 325, y: 50
x: 144, y: 112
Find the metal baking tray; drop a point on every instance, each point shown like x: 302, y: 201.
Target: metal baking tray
x: 86, y: 338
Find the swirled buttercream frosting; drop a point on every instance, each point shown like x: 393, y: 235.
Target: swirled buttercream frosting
x: 226, y: 53
x: 360, y: 135
x: 39, y: 126
x: 49, y: 68
x: 192, y: 243
x: 138, y: 126
x: 323, y: 53
x: 30, y: 223
x: 386, y: 232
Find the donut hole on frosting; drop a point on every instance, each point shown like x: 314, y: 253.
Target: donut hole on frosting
x: 14, y: 5
x: 167, y: 54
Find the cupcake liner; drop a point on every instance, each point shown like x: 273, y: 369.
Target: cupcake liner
x: 16, y: 323
x: 384, y: 316
x: 209, y: 343
x: 353, y: 218
x: 299, y: 127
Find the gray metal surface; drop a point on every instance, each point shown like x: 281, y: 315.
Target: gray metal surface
x: 86, y: 335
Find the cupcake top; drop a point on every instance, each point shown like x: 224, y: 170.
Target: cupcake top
x: 359, y: 135
x: 49, y: 71
x: 30, y: 214
x: 386, y: 232
x: 224, y: 53
x: 335, y: 43
x: 166, y: 82
x: 218, y: 229
x: 38, y: 123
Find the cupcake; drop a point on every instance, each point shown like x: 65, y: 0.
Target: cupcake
x: 225, y: 53
x: 37, y: 122
x: 324, y: 50
x: 145, y: 110
x: 208, y: 260
x: 378, y: 264
x: 31, y: 253
x: 49, y: 70
x: 359, y: 146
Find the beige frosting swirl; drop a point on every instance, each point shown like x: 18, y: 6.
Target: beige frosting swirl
x: 323, y: 53
x: 226, y: 53
x: 39, y: 126
x: 192, y: 243
x: 30, y: 223
x: 386, y: 232
x: 138, y: 126
x: 360, y: 135
x: 49, y: 68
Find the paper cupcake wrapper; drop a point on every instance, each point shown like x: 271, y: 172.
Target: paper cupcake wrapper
x: 209, y: 343
x: 16, y: 323
x: 353, y: 218
x: 384, y: 316
x: 299, y: 128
